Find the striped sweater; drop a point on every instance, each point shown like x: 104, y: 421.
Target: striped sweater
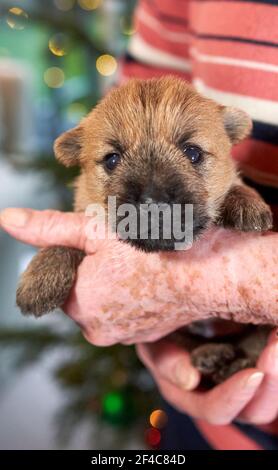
x: 229, y: 50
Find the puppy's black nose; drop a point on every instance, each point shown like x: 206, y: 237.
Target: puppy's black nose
x: 156, y: 195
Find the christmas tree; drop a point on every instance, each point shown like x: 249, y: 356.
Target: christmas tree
x: 76, y: 47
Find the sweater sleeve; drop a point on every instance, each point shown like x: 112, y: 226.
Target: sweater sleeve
x: 161, y: 41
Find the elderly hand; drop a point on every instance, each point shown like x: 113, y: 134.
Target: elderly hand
x: 250, y: 395
x: 124, y: 295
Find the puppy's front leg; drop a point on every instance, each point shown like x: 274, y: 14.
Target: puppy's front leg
x: 47, y: 281
x: 244, y: 209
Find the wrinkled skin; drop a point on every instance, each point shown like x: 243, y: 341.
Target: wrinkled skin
x: 123, y: 295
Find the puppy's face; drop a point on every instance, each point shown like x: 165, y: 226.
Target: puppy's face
x: 156, y: 141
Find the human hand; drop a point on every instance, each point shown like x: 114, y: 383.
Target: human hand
x: 249, y: 395
x: 124, y: 295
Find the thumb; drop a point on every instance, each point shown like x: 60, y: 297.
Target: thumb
x: 48, y: 228
x: 171, y: 362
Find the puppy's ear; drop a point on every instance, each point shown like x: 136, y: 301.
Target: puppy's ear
x: 67, y: 147
x: 237, y: 123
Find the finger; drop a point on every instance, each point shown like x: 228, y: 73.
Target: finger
x: 171, y: 362
x: 224, y: 402
x: 219, y: 406
x: 45, y: 228
x: 263, y: 408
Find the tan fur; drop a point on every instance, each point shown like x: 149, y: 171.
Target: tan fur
x: 147, y: 122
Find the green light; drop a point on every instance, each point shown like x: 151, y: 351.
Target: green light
x: 113, y: 403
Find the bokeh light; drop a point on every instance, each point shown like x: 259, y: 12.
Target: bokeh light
x: 113, y: 403
x: 54, y: 77
x: 152, y: 437
x: 158, y: 419
x: 119, y: 378
x: 89, y: 4
x: 106, y: 65
x: 64, y: 5
x: 76, y: 111
x: 127, y: 26
x: 59, y: 44
x: 17, y: 18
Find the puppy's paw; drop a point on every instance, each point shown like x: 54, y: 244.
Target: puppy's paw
x: 46, y: 283
x: 211, y: 357
x: 225, y: 372
x: 244, y: 210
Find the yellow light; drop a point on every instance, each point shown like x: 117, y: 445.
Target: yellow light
x: 58, y: 44
x: 76, y: 110
x: 127, y: 27
x: 64, y: 5
x: 89, y: 4
x: 54, y: 77
x: 106, y: 65
x: 158, y: 419
x: 17, y: 18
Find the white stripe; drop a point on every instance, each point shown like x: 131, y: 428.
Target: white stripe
x: 156, y: 26
x: 150, y: 55
x: 259, y: 109
x: 250, y: 64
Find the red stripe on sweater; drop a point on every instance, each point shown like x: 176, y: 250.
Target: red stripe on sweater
x: 236, y: 50
x: 177, y: 49
x: 235, y: 79
x: 174, y: 8
x: 258, y: 160
x: 173, y: 23
x: 262, y: 155
x: 238, y: 19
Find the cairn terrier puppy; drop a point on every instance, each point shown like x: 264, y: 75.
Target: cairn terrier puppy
x: 148, y: 142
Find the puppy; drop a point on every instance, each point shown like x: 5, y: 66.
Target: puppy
x: 149, y: 141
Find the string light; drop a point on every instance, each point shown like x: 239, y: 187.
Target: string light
x: 113, y: 403
x: 127, y: 26
x: 54, y: 77
x: 58, y: 44
x: 76, y: 111
x: 89, y: 4
x: 152, y: 437
x: 17, y: 18
x: 106, y: 65
x: 64, y: 5
x: 158, y: 419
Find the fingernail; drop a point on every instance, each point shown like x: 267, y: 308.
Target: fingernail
x: 254, y: 380
x: 187, y: 379
x: 14, y: 217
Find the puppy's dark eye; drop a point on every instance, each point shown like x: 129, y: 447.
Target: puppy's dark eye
x: 194, y: 154
x: 111, y: 161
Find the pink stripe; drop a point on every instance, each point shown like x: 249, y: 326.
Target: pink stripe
x: 236, y: 79
x: 236, y: 50
x: 176, y: 49
x: 251, y: 21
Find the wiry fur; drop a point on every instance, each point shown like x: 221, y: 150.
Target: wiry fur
x: 148, y: 122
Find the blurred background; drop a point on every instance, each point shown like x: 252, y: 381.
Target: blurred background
x: 57, y: 58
